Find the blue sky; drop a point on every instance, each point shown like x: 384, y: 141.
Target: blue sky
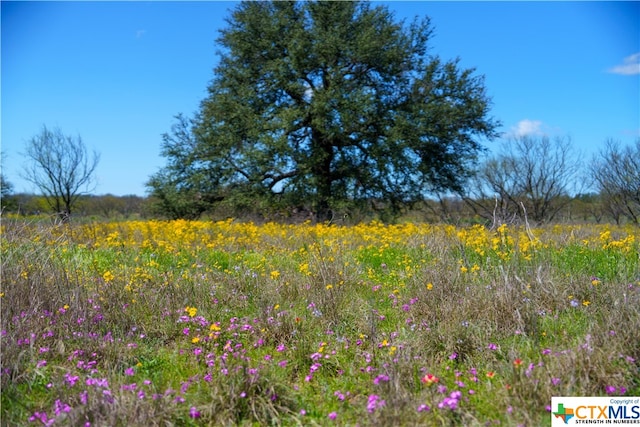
x: 116, y: 73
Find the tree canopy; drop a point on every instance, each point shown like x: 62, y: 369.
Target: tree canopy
x: 325, y: 104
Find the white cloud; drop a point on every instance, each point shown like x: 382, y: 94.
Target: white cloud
x: 630, y: 66
x: 526, y: 127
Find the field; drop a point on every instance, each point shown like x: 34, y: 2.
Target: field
x: 145, y: 323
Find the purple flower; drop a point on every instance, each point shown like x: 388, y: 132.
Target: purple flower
x: 610, y: 389
x: 60, y: 407
x: 453, y: 356
x: 71, y: 379
x: 374, y: 402
x: 332, y: 415
x: 379, y: 378
x: 129, y: 372
x: 451, y: 401
x: 492, y: 346
x: 423, y: 408
x: 42, y: 417
x: 194, y: 413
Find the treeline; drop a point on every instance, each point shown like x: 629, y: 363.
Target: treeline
x: 582, y: 208
x: 105, y: 206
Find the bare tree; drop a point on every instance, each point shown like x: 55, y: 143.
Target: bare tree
x: 61, y: 169
x: 617, y: 175
x: 532, y: 174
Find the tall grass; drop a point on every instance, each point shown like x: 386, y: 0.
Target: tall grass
x: 200, y: 323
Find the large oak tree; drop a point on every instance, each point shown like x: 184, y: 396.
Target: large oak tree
x: 327, y: 103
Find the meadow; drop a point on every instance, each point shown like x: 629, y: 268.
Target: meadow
x: 152, y: 323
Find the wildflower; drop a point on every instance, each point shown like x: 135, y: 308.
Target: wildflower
x: 429, y: 379
x: 191, y: 311
x: 586, y: 303
x: 517, y: 363
x: 492, y: 346
x: 546, y: 351
x: 60, y: 407
x: 71, y: 379
x: 42, y: 417
x: 374, y: 402
x: 41, y: 363
x: 129, y: 371
x: 595, y: 281
x: 453, y: 356
x: 423, y: 408
x: 610, y: 389
x: 382, y: 377
x: 274, y: 274
x: 195, y: 340
x: 332, y: 415
x: 555, y: 381
x: 108, y: 276
x: 215, y: 327
x: 194, y: 413
x: 451, y: 401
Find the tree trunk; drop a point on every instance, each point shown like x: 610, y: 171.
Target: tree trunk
x: 323, y: 156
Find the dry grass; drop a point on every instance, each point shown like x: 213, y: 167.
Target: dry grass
x: 179, y: 323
